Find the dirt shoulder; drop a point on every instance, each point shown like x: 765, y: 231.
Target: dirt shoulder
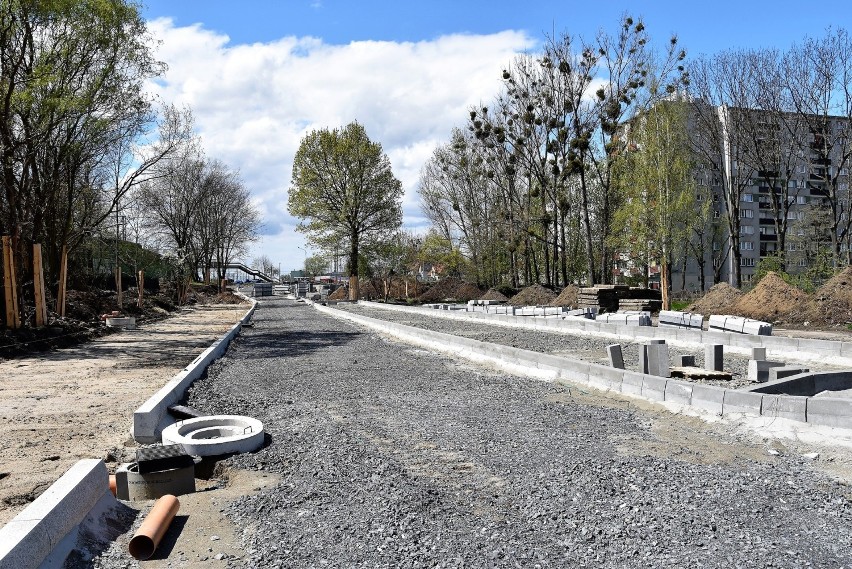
x: 74, y: 403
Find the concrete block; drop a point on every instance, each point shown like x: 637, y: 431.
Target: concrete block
x: 607, y: 378
x: 616, y: 358
x: 708, y: 398
x: 830, y: 412
x: 781, y: 345
x: 714, y: 359
x: 657, y: 341
x: 758, y: 354
x: 685, y: 361
x: 654, y: 388
x: 758, y: 371
x: 31, y: 536
x: 821, y: 347
x: 846, y: 349
x: 658, y: 360
x: 747, y: 341
x: 785, y: 406
x: 631, y: 383
x: 742, y: 402
x: 678, y: 392
x: 777, y: 373
x: 643, y: 358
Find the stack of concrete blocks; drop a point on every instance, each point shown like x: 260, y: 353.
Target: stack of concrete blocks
x: 714, y: 357
x: 626, y: 318
x: 758, y: 366
x: 740, y: 325
x: 502, y: 309
x: 552, y: 311
x: 680, y: 319
x: 654, y: 358
x: 483, y: 302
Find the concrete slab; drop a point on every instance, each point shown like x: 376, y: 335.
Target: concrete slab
x: 631, y: 383
x: 606, y: 378
x: 714, y: 357
x: 830, y: 412
x: 708, y: 398
x: 654, y: 388
x: 785, y: 406
x: 616, y: 358
x: 678, y: 392
x: 821, y: 347
x: 658, y: 360
x: 742, y: 402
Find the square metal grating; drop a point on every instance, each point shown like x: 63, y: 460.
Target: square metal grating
x: 157, y: 459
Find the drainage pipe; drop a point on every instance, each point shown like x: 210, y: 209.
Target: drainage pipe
x: 112, y: 484
x: 148, y: 537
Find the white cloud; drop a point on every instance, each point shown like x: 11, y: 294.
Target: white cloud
x: 254, y: 103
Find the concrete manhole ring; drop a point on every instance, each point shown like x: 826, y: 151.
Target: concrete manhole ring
x: 215, y: 434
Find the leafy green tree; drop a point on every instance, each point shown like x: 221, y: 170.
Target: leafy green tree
x: 316, y: 265
x: 343, y: 185
x: 656, y: 179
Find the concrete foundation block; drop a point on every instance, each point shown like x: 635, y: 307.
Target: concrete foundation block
x: 643, y: 358
x: 616, y: 358
x: 654, y: 388
x: 822, y: 347
x: 714, y: 359
x: 846, y: 349
x: 606, y: 378
x: 742, y: 402
x: 631, y: 383
x: 830, y: 412
x: 758, y: 354
x: 785, y: 406
x: 678, y: 392
x: 658, y: 360
x: 685, y: 361
x: 708, y: 398
x: 777, y: 373
x: 758, y: 371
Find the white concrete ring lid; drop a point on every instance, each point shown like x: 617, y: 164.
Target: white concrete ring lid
x: 215, y: 434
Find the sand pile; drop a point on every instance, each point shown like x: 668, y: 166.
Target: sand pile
x: 772, y: 299
x: 568, y: 297
x: 831, y: 304
x: 341, y: 293
x: 534, y: 295
x: 719, y: 300
x: 366, y: 291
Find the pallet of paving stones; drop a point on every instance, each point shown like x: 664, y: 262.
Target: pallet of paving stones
x: 739, y: 325
x: 678, y: 319
x: 647, y: 305
x: 688, y: 372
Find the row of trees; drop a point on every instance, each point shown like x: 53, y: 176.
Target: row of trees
x: 84, y: 151
x: 603, y: 149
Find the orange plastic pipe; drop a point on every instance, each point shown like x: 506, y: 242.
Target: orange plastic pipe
x: 112, y: 484
x: 148, y: 537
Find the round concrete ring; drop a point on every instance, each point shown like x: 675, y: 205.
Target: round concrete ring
x: 215, y: 434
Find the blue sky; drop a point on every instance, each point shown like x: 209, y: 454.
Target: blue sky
x: 259, y: 74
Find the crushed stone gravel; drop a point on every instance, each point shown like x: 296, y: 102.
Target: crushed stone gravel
x: 390, y: 456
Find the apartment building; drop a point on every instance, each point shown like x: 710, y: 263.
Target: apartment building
x: 786, y: 179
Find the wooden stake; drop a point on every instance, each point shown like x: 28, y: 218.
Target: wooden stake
x: 140, y: 283
x: 63, y: 277
x: 10, y: 286
x: 38, y: 285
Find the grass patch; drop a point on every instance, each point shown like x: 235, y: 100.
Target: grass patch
x: 680, y: 304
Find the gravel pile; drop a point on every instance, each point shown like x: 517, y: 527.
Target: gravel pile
x: 586, y: 348
x: 391, y: 456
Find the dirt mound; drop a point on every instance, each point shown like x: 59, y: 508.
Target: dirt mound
x: 342, y: 293
x: 444, y: 289
x: 719, y: 300
x: 772, y: 299
x: 468, y: 291
x: 831, y: 304
x: 494, y: 294
x: 568, y: 297
x: 533, y: 295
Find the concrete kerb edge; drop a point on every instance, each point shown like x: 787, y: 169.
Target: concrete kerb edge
x: 542, y: 366
x: 152, y: 416
x: 45, y: 532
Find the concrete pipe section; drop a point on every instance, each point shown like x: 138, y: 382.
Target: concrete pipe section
x: 215, y: 434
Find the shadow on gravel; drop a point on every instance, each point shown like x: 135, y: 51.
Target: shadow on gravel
x: 275, y: 344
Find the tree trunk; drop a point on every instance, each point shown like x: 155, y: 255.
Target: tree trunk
x: 353, y: 267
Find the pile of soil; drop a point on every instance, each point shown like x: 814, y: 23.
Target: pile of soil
x: 771, y: 300
x: 534, y: 295
x: 366, y: 291
x: 341, y: 293
x: 444, y: 289
x: 568, y: 297
x: 494, y: 294
x: 831, y: 304
x: 468, y: 291
x: 719, y: 300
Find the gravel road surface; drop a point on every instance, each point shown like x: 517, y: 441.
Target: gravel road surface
x: 390, y: 456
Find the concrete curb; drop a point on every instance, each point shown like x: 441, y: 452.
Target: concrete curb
x: 152, y: 417
x: 800, y: 349
x: 717, y: 400
x: 45, y: 532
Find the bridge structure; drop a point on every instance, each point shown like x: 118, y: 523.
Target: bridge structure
x: 256, y: 273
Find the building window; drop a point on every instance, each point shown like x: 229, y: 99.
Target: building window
x: 746, y: 246
x: 747, y: 230
x: 699, y: 197
x: 802, y: 262
x: 801, y: 200
x: 715, y: 214
x: 746, y: 262
x: 746, y: 214
x: 748, y: 198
